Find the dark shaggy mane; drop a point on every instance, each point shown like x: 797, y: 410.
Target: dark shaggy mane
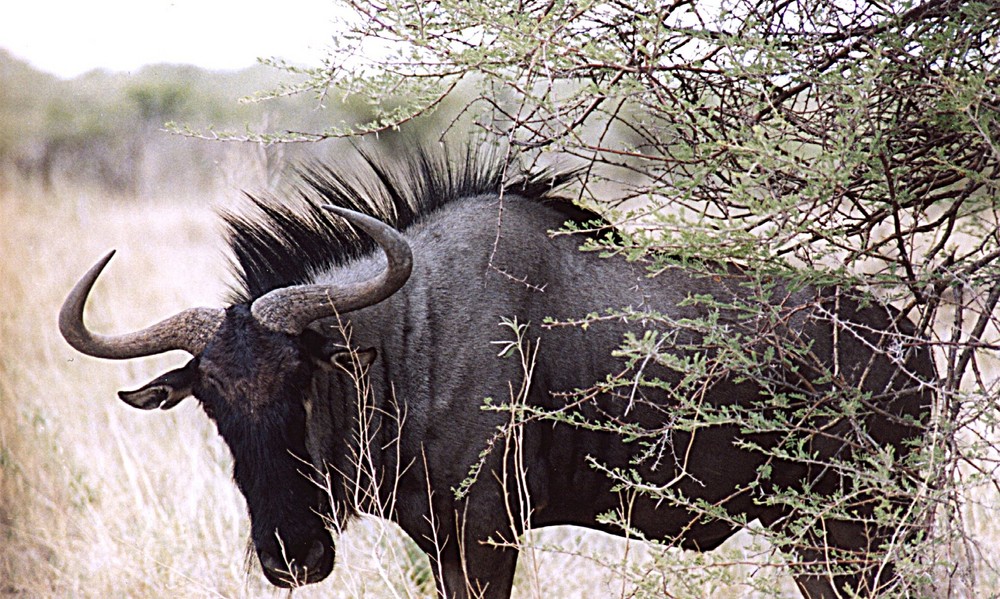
x: 279, y: 242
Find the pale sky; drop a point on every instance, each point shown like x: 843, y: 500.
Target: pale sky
x: 70, y: 37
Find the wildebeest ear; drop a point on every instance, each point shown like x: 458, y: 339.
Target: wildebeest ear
x: 354, y: 361
x: 165, y: 391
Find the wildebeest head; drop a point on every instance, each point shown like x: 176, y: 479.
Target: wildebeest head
x: 251, y: 370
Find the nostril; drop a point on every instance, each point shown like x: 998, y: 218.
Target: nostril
x: 271, y: 564
x: 315, y: 557
x: 286, y: 571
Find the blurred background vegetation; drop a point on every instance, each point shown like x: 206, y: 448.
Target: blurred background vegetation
x: 107, y: 131
x: 104, y: 129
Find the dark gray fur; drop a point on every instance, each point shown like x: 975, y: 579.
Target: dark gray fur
x: 436, y: 359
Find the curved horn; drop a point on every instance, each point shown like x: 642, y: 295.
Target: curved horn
x: 291, y: 309
x: 189, y: 330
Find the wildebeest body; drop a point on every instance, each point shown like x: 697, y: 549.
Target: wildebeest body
x: 284, y: 390
x: 436, y: 359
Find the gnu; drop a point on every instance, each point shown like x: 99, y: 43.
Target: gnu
x: 348, y: 375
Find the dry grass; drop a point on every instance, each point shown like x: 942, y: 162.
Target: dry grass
x: 100, y: 500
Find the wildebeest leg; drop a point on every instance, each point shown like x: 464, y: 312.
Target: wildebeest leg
x: 819, y: 584
x: 816, y: 587
x: 822, y: 577
x: 480, y: 572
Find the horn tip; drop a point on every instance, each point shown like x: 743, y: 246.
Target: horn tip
x: 98, y: 267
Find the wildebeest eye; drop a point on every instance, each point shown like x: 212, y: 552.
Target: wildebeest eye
x: 213, y: 381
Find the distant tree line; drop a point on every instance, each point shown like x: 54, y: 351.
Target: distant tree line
x: 143, y: 133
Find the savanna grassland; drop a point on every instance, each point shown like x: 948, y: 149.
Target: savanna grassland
x: 98, y: 499
x: 884, y: 163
